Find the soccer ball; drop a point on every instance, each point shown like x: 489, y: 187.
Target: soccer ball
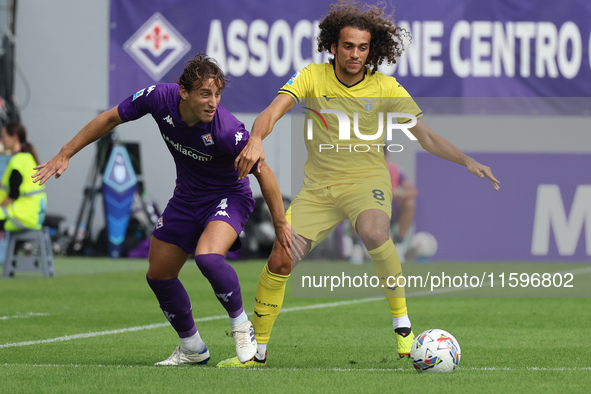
x: 423, y: 245
x: 435, y: 351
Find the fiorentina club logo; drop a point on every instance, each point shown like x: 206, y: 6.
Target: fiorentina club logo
x: 207, y: 139
x: 157, y: 46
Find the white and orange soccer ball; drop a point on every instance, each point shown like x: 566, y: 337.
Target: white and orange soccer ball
x: 423, y: 245
x: 435, y: 351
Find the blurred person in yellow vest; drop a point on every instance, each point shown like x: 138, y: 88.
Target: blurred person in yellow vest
x: 22, y: 202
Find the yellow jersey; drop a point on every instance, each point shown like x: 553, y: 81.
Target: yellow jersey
x: 27, y: 211
x: 345, y: 126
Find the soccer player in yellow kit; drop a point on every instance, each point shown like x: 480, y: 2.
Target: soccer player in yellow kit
x: 347, y: 182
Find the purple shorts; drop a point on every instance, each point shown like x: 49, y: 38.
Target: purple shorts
x: 183, y: 222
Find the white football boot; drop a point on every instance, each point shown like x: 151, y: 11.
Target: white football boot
x: 246, y: 344
x: 182, y: 357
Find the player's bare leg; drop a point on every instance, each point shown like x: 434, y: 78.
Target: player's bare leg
x: 372, y: 226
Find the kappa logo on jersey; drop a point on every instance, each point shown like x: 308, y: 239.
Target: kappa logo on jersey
x: 169, y: 316
x: 207, y: 139
x: 239, y: 136
x: 168, y: 120
x: 160, y: 222
x: 157, y: 46
x: 138, y: 94
x: 225, y: 297
x: 222, y: 205
x: 222, y: 213
x: 150, y: 90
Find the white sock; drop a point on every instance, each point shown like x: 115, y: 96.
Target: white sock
x: 193, y: 343
x: 403, y: 321
x: 261, y: 351
x: 236, y: 321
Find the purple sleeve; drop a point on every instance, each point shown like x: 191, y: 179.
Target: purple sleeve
x: 139, y: 103
x: 232, y: 134
x: 239, y: 146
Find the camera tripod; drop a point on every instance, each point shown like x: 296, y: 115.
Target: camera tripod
x: 82, y: 239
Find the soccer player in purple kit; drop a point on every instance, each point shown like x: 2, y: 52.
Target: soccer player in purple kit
x: 209, y: 206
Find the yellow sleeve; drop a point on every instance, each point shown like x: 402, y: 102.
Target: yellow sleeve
x: 299, y: 85
x: 403, y: 102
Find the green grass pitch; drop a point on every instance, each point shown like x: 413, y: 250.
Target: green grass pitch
x: 96, y: 327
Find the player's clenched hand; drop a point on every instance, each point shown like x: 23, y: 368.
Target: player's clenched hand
x: 482, y: 171
x: 252, y: 152
x: 56, y: 166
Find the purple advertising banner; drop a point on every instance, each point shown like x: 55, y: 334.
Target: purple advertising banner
x: 459, y: 48
x: 541, y: 213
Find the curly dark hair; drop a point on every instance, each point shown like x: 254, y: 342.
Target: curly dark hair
x: 200, y: 68
x: 387, y: 39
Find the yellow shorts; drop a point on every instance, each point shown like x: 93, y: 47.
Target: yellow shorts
x: 314, y: 213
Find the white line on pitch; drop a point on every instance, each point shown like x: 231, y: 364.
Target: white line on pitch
x: 271, y: 369
x: 159, y: 325
x: 23, y: 315
x: 210, y: 318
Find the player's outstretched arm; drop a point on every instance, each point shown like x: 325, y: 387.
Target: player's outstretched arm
x: 274, y: 200
x: 94, y: 130
x: 261, y: 128
x: 439, y: 146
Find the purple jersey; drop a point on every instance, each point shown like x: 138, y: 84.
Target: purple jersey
x: 204, y: 154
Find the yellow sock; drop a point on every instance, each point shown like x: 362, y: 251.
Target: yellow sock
x: 387, y: 264
x: 268, y: 301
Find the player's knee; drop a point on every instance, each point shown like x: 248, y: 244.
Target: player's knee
x: 209, y: 263
x: 373, y: 237
x: 157, y: 270
x: 160, y: 274
x: 279, y: 262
